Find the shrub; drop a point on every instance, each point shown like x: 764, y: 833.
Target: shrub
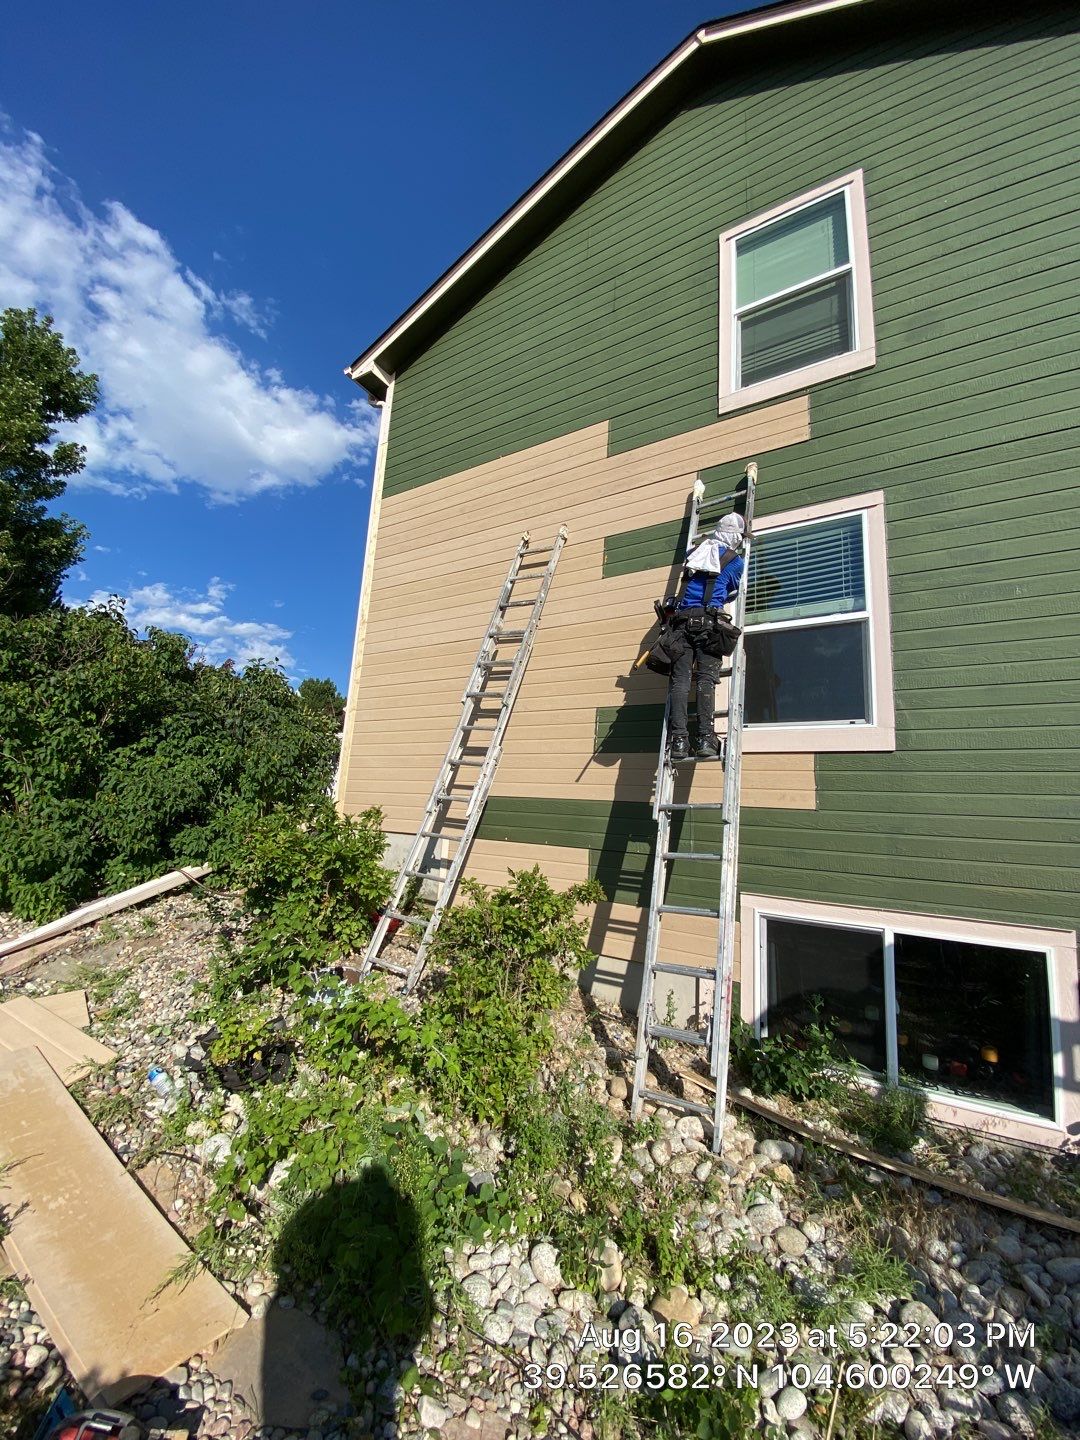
x: 121, y: 757
x: 809, y: 1066
x: 894, y: 1118
x: 511, y: 954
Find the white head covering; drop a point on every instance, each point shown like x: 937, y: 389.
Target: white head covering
x: 706, y: 554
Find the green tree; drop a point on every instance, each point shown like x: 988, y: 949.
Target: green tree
x: 41, y: 385
x: 122, y: 757
x: 324, y: 698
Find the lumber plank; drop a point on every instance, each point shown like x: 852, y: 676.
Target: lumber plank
x: 69, y: 1005
x: 26, y: 1025
x: 1034, y: 1213
x: 92, y: 1247
x: 95, y: 910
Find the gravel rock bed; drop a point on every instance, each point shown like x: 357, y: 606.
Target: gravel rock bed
x: 767, y: 1196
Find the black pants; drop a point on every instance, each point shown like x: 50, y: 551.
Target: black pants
x: 687, y: 654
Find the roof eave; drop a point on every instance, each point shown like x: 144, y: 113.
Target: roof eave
x: 373, y: 369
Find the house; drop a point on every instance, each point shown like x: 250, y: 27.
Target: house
x: 838, y: 237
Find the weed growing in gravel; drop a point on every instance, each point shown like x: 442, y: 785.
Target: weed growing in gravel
x: 893, y: 1119
x: 365, y: 1203
x: 101, y: 982
x: 106, y: 1112
x: 563, y: 1138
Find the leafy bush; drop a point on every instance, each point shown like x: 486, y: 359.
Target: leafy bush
x: 809, y: 1066
x: 312, y: 880
x: 512, y: 953
x: 894, y: 1118
x: 121, y: 757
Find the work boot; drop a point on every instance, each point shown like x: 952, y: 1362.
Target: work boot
x: 680, y: 747
x: 707, y: 747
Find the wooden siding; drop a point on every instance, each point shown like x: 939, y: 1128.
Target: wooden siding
x: 421, y: 641
x: 969, y: 136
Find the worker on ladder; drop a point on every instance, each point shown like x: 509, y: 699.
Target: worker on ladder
x: 701, y: 635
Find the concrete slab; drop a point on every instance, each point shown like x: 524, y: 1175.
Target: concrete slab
x: 279, y: 1364
x: 24, y: 1024
x: 69, y: 1005
x: 94, y: 1248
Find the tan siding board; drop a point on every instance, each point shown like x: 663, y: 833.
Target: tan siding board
x: 507, y: 489
x: 406, y: 702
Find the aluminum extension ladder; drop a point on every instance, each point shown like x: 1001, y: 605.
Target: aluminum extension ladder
x: 716, y: 1036
x: 493, y: 681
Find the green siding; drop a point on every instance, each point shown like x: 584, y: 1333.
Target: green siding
x: 969, y: 136
x: 619, y: 838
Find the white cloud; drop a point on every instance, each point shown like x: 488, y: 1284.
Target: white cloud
x: 201, y: 615
x: 180, y: 401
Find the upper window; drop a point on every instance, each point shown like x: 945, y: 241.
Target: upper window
x: 818, y: 648
x: 795, y: 300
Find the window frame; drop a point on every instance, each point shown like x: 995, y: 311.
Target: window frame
x: 820, y: 736
x: 731, y: 395
x: 1058, y: 947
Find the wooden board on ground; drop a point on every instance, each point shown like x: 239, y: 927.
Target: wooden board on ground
x: 24, y: 948
x: 25, y: 1024
x: 92, y: 1247
x: 69, y: 1005
x: 1034, y: 1213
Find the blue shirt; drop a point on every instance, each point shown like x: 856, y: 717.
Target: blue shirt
x: 727, y: 585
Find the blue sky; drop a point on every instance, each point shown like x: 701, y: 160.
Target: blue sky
x: 222, y: 205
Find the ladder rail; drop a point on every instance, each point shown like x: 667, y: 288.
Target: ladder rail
x: 720, y: 1046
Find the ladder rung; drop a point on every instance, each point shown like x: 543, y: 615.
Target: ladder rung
x: 474, y: 726
x: 484, y: 694
x: 669, y: 1032
x: 509, y: 635
x: 490, y: 664
x: 444, y: 799
x: 659, y: 1098
x: 511, y: 603
x: 439, y: 834
x: 672, y: 967
x: 690, y: 855
x: 698, y: 805
x: 697, y: 760
x: 460, y: 761
x: 401, y: 915
x: 392, y: 966
x: 540, y: 550
x: 686, y: 910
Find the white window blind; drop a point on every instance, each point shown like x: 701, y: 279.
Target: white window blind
x: 807, y: 571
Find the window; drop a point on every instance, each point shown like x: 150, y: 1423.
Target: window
x: 818, y: 647
x: 966, y: 1017
x: 795, y: 295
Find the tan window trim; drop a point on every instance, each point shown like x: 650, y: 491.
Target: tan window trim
x: 862, y: 357
x: 829, y: 738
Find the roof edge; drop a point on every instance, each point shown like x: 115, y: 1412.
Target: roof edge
x: 369, y: 368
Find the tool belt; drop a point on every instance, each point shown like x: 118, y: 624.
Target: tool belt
x: 710, y: 629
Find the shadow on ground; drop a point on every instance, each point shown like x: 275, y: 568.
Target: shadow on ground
x: 357, y: 1251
